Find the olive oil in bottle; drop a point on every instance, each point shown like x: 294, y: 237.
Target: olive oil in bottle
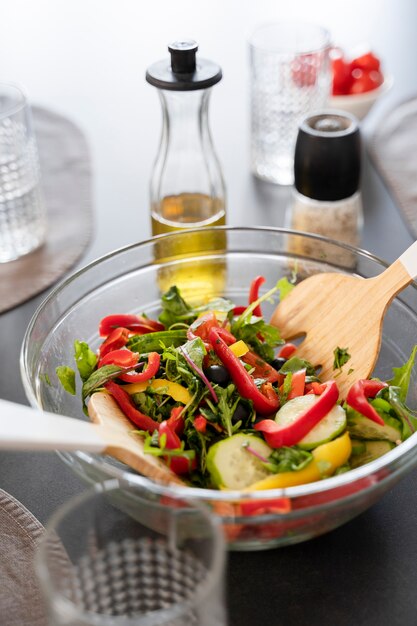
x: 200, y: 277
x: 187, y: 187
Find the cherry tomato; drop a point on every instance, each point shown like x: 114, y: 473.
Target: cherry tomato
x: 368, y: 62
x: 365, y: 81
x: 304, y: 70
x: 342, y: 76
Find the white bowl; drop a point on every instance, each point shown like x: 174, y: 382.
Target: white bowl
x: 360, y: 104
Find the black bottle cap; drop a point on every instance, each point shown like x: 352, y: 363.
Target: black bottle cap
x: 327, y: 158
x: 183, y: 72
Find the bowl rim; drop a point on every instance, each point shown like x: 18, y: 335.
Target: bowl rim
x: 112, y: 471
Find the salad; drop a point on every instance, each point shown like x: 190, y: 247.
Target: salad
x: 216, y: 392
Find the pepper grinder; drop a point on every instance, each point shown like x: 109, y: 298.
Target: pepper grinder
x: 327, y: 163
x: 187, y: 186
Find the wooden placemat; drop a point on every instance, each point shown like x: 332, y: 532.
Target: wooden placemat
x: 66, y: 185
x: 393, y: 150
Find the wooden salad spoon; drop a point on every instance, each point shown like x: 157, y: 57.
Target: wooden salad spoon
x: 337, y: 310
x: 24, y: 428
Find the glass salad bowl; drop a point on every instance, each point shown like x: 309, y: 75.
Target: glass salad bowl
x: 209, y: 262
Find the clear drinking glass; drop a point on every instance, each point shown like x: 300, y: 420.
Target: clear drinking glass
x: 125, y: 555
x: 22, y: 214
x: 290, y: 77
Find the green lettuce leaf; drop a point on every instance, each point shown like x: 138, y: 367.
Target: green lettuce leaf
x: 401, y: 375
x: 294, y: 364
x: 195, y: 350
x: 175, y: 309
x: 408, y: 418
x: 255, y: 328
x: 66, y: 377
x: 156, y: 342
x: 85, y: 359
x: 284, y: 287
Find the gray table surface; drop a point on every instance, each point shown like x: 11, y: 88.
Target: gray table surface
x: 364, y: 572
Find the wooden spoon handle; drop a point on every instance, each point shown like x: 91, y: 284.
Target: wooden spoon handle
x: 408, y: 259
x: 24, y: 428
x: 397, y: 276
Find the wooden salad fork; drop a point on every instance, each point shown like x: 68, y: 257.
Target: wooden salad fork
x: 24, y: 428
x: 340, y: 311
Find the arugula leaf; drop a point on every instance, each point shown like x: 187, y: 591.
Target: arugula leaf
x: 85, y: 359
x: 156, y: 342
x: 100, y: 377
x: 66, y: 376
x: 286, y: 388
x: 341, y: 357
x: 157, y: 448
x: 294, y: 364
x: 247, y: 313
x: 153, y: 403
x: 255, y: 328
x: 45, y: 378
x: 175, y: 309
x: 287, y: 459
x: 401, y: 375
x: 284, y: 287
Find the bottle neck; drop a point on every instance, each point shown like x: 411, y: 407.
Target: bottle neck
x: 187, y: 184
x: 185, y: 118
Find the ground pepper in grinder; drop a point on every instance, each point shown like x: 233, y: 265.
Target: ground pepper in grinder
x: 326, y: 198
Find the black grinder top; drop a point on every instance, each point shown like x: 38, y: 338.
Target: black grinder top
x: 327, y: 158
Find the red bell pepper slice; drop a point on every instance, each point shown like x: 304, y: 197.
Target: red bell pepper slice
x: 131, y: 322
x: 149, y: 372
x: 277, y: 436
x: 202, y: 326
x: 125, y: 402
x: 245, y: 384
x: 178, y: 464
x: 314, y: 388
x: 358, y: 394
x: 117, y: 339
x: 287, y: 350
x: 298, y: 381
x: 200, y: 424
x: 254, y: 294
x: 176, y: 420
x: 264, y: 507
x: 238, y: 310
x: 262, y: 369
x: 123, y: 358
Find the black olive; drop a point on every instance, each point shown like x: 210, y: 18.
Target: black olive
x: 278, y: 362
x: 217, y: 374
x: 241, y: 413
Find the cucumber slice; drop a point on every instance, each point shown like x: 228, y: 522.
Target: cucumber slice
x: 332, y: 424
x: 231, y: 466
x: 363, y: 428
x: 368, y: 451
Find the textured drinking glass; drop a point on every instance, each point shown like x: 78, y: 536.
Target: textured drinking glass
x: 121, y: 555
x: 22, y: 215
x: 290, y: 77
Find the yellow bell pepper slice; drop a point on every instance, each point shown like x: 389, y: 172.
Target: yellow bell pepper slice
x: 326, y: 459
x: 239, y: 348
x: 175, y: 390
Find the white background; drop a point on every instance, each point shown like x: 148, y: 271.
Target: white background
x: 86, y: 59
